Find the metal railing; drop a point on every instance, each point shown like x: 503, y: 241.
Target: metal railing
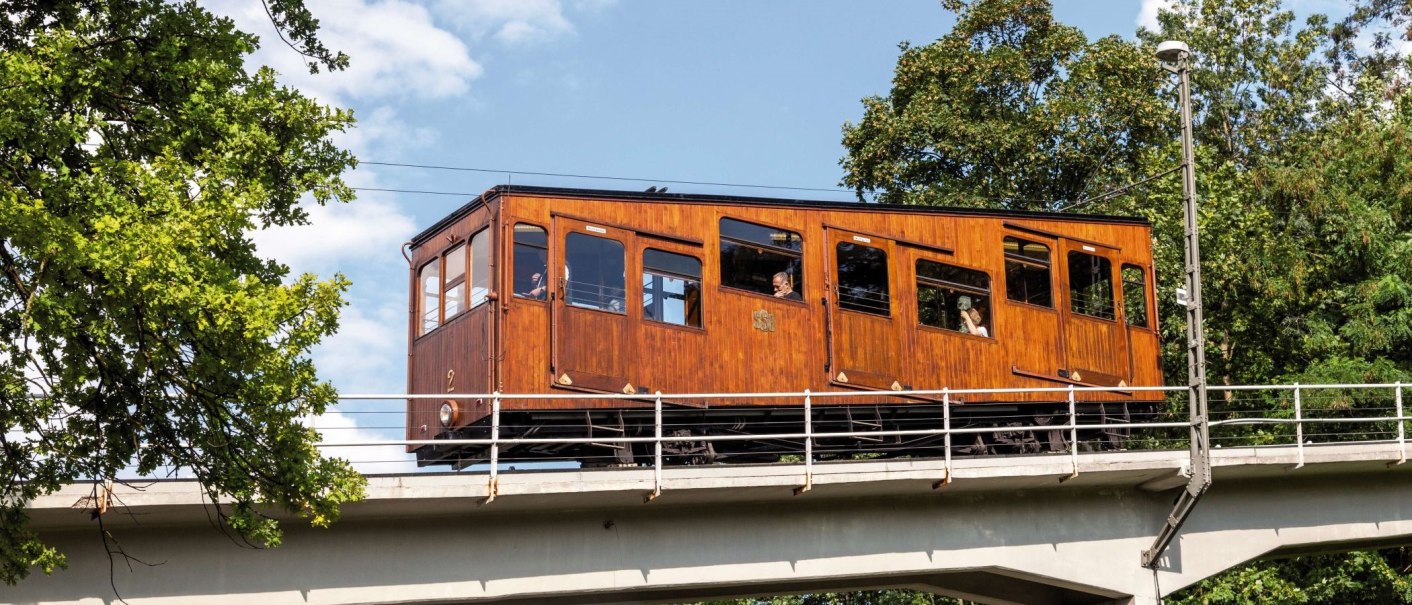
x: 1247, y: 415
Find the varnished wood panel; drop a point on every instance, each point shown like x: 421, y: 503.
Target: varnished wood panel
x: 456, y: 356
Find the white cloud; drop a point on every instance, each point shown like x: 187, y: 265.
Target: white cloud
x: 1147, y: 15
x: 383, y: 129
x: 395, y: 50
x: 338, y: 427
x: 512, y: 22
x: 369, y: 351
x: 372, y: 228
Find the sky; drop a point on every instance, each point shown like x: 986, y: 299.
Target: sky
x: 722, y: 91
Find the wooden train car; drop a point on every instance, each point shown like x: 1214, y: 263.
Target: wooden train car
x: 541, y: 290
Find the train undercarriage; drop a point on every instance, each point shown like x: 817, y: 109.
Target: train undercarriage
x: 757, y: 434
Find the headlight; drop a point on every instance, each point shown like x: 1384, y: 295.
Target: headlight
x: 448, y: 414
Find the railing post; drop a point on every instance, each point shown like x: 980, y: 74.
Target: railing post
x: 808, y: 445
x: 1298, y: 425
x: 1073, y: 435
x: 494, y: 448
x: 1401, y: 425
x: 657, y: 450
x: 946, y: 437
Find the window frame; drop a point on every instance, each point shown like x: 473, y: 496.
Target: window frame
x: 1146, y: 307
x: 422, y: 328
x: 1047, y: 265
x: 796, y: 255
x: 461, y: 281
x: 698, y: 280
x: 472, y: 263
x: 988, y: 293
x: 886, y: 274
x: 568, y: 281
x: 1069, y: 278
x: 515, y: 262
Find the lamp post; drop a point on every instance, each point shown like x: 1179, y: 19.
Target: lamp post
x: 1175, y: 57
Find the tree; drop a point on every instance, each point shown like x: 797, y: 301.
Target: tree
x: 1305, y: 190
x: 1009, y: 109
x: 138, y: 325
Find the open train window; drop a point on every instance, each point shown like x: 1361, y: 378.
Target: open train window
x: 1090, y: 285
x: 595, y: 273
x: 671, y: 288
x: 752, y: 254
x: 531, y: 262
x: 862, y: 279
x: 954, y: 298
x: 453, y: 299
x: 1135, y: 295
x: 1027, y: 272
x: 429, y: 287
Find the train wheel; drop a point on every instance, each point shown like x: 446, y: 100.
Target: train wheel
x: 1054, y: 438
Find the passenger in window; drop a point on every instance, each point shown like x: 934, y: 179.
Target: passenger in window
x: 784, y: 287
x: 975, y: 322
x: 538, y: 289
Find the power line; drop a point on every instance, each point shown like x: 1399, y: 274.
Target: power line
x: 600, y: 177
x: 455, y: 193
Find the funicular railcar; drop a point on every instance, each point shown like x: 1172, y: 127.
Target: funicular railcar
x: 533, y: 290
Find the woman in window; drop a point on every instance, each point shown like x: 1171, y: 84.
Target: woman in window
x: 974, y: 322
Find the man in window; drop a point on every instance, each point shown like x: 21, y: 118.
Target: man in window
x: 784, y: 287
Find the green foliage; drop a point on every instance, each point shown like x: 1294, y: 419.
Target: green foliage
x: 1009, y: 109
x: 138, y: 326
x: 1360, y: 578
x: 1304, y: 186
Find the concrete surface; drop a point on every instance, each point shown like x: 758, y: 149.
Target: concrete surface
x: 1005, y: 530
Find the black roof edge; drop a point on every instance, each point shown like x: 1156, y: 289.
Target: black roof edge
x: 643, y: 196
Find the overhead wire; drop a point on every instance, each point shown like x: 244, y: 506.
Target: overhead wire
x: 601, y: 177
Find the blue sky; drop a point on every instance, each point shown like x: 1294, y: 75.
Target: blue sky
x: 731, y: 91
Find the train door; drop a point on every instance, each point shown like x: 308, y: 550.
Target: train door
x: 593, y: 316
x: 864, y: 336
x: 1033, y: 324
x: 1095, y: 342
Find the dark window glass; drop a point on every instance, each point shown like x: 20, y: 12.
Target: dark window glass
x: 1135, y: 295
x: 960, y: 301
x: 1027, y: 272
x: 429, y: 286
x: 480, y: 268
x: 595, y: 273
x: 671, y: 288
x: 761, y: 235
x: 1091, y: 285
x: 862, y: 279
x: 751, y: 256
x: 531, y: 262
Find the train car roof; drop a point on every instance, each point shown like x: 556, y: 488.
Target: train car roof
x: 694, y: 198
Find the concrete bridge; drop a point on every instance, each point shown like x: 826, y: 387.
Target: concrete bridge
x: 1004, y: 530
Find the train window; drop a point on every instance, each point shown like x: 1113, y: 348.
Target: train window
x: 1027, y: 272
x: 946, y: 295
x: 480, y: 268
x: 531, y: 261
x: 752, y: 254
x: 595, y: 273
x: 429, y: 283
x: 862, y: 279
x: 671, y: 288
x: 1135, y: 295
x: 1091, y: 285
x: 454, y: 286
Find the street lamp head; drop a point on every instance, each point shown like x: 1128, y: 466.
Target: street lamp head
x: 1172, y: 51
